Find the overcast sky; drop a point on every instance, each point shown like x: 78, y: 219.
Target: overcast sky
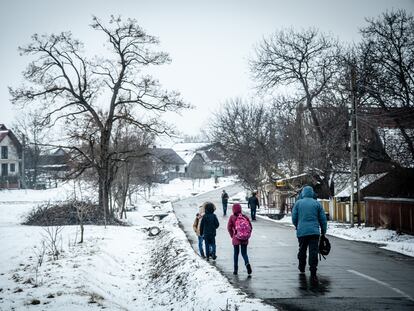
x: 209, y: 41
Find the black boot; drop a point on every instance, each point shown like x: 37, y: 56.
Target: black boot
x: 249, y: 269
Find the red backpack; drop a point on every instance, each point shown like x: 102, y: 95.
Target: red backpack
x: 243, y: 229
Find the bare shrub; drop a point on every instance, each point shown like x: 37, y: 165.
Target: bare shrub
x: 52, y: 236
x: 39, y: 255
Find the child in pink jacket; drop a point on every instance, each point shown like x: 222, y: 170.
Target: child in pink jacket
x: 240, y: 240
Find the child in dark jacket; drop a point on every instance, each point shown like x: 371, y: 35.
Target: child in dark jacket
x: 208, y: 226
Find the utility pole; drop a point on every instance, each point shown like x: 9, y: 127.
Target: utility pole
x: 356, y: 139
x: 353, y: 123
x: 23, y: 173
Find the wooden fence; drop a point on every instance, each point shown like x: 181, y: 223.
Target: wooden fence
x: 342, y: 211
x: 394, y: 214
x: 391, y: 213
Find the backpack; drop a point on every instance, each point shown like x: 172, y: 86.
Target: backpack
x: 324, y: 247
x: 243, y: 229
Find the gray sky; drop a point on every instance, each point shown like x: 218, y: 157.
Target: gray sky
x: 209, y: 41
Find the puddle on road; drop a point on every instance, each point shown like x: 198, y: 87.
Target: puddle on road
x: 307, y: 288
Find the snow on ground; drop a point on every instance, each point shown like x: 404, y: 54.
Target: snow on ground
x: 388, y: 239
x: 117, y: 268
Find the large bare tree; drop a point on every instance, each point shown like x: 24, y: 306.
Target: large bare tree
x: 307, y: 62
x: 98, y: 93
x: 387, y: 62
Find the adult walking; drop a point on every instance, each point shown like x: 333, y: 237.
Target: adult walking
x: 253, y: 204
x: 308, y: 216
x: 224, y: 201
x: 239, y: 228
x: 208, y: 228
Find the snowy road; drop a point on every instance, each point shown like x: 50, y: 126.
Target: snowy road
x: 356, y: 276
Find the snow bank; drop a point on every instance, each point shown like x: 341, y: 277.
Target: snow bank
x: 117, y: 268
x: 390, y: 240
x: 182, y: 280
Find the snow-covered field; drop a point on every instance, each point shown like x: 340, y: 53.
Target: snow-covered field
x: 117, y: 267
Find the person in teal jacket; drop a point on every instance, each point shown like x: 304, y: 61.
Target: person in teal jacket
x: 309, y: 219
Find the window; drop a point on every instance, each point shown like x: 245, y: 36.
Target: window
x: 4, y: 171
x: 12, y: 167
x: 4, y: 152
x: 177, y: 168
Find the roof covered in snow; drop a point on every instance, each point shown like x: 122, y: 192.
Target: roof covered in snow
x: 364, y: 182
x: 189, y: 146
x: 167, y: 155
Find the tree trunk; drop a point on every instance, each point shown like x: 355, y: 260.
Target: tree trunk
x: 300, y: 139
x: 82, y: 229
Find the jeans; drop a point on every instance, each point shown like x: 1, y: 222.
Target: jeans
x: 200, y: 245
x: 253, y: 213
x: 236, y: 255
x: 311, y: 242
x: 210, y: 246
x: 224, y: 208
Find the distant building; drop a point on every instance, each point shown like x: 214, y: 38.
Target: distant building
x: 55, y: 165
x: 10, y: 159
x: 203, y: 160
x: 167, y: 164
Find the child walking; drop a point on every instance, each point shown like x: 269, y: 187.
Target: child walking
x: 240, y: 229
x: 208, y: 227
x: 196, y: 228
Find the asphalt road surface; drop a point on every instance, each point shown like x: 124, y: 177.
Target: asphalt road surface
x: 355, y: 276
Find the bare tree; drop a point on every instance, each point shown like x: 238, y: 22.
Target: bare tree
x: 129, y: 169
x: 247, y: 134
x: 97, y: 94
x: 308, y: 61
x: 34, y: 135
x: 387, y: 62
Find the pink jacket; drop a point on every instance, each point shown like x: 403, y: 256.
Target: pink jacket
x: 231, y: 225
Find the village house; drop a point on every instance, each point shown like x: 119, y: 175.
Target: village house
x: 203, y: 160
x: 10, y: 159
x: 167, y: 164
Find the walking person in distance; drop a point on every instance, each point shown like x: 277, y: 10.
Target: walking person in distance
x: 308, y: 216
x: 240, y: 229
x: 208, y: 227
x: 253, y: 204
x: 224, y: 201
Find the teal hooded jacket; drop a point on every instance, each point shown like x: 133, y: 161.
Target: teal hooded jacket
x: 308, y: 214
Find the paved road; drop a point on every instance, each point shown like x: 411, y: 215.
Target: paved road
x: 356, y: 275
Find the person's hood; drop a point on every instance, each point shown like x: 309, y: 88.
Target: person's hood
x: 307, y: 192
x: 236, y: 208
x: 209, y: 207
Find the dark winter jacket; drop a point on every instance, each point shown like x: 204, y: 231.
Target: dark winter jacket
x: 224, y: 197
x: 253, y: 202
x: 209, y: 222
x: 231, y: 225
x: 308, y: 214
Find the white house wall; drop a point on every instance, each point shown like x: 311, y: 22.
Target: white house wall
x: 13, y: 156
